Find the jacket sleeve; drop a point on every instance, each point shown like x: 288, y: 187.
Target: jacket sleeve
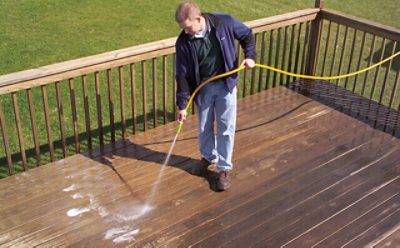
x: 181, y: 76
x: 246, y: 39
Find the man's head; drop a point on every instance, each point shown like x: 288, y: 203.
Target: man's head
x: 188, y: 16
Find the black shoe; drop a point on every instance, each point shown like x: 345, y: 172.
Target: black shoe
x: 223, y: 180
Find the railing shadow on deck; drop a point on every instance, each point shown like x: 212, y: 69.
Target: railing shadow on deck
x: 94, y: 138
x: 363, y: 109
x: 129, y: 150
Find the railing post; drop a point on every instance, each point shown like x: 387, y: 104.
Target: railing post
x: 315, y: 38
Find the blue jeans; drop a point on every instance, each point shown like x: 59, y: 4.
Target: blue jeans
x: 220, y: 104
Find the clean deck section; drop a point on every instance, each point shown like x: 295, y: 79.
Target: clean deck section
x: 314, y: 166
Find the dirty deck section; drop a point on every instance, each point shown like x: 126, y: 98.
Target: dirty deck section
x: 314, y: 166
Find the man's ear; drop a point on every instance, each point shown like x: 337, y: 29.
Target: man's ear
x: 198, y: 18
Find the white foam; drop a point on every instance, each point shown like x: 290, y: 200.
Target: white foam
x: 94, y: 204
x: 77, y: 211
x: 102, y: 211
x: 128, y: 234
x: 70, y: 188
x: 115, y: 231
x: 77, y: 196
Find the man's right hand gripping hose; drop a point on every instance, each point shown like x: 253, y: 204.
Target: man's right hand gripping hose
x: 181, y: 118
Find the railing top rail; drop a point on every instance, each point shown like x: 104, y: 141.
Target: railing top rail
x: 75, y: 64
x: 41, y: 73
x: 362, y: 24
x: 296, y: 15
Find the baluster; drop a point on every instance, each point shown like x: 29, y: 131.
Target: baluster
x: 87, y: 113
x: 378, y: 69
x: 144, y: 94
x: 98, y: 107
x: 342, y: 54
x: 271, y: 45
x: 278, y: 43
x: 164, y: 79
x: 74, y: 115
x: 262, y: 61
x: 133, y: 97
x: 351, y: 57
x: 285, y: 37
x: 4, y: 133
x: 122, y: 100
x: 326, y: 48
x: 61, y: 119
x: 34, y: 126
x: 369, y: 63
x: 47, y: 120
x: 289, y: 66
x: 154, y: 74
x: 359, y: 61
x: 111, y: 104
x: 387, y: 74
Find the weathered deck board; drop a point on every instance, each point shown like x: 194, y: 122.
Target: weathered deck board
x: 390, y: 239
x: 314, y: 165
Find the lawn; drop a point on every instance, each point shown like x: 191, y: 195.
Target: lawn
x: 41, y: 32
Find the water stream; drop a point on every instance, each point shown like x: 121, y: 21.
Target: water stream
x: 160, y: 174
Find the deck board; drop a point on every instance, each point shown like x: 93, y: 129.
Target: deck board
x: 313, y: 165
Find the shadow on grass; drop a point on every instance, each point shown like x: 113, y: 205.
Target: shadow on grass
x: 376, y: 57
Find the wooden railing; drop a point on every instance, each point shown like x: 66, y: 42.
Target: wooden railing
x: 75, y: 106
x: 348, y: 44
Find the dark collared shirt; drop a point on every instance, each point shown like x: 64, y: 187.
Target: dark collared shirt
x: 227, y: 30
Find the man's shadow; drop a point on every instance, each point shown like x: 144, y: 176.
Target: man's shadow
x: 141, y: 152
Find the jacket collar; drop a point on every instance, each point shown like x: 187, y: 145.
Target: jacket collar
x: 213, y: 19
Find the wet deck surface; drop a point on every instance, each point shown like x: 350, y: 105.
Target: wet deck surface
x: 314, y: 165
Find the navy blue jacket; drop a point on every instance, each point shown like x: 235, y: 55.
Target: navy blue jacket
x: 187, y: 67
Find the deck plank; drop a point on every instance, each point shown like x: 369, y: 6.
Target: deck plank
x: 279, y: 175
x: 280, y: 217
x: 313, y: 165
x: 392, y: 239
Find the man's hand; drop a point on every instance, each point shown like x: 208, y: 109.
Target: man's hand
x: 182, y: 116
x: 248, y: 63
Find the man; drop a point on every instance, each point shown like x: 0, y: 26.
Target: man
x: 206, y: 48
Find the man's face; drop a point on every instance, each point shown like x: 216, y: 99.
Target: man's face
x: 191, y: 27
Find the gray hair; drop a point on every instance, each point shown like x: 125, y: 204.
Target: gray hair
x: 186, y: 10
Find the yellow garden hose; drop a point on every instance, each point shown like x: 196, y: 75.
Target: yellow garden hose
x: 282, y: 72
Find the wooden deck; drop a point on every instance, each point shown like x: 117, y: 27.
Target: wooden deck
x: 314, y: 166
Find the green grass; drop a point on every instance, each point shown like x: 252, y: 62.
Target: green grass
x: 41, y: 32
